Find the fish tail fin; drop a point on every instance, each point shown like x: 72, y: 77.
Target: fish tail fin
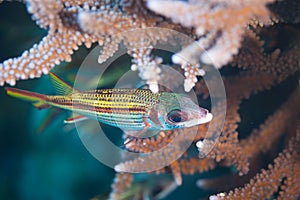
x: 38, y: 100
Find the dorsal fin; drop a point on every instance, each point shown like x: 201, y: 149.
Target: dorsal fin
x: 60, y: 85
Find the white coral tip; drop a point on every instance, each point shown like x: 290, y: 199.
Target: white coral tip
x: 83, y: 17
x: 176, y: 58
x: 201, y: 72
x: 118, y: 168
x: 206, y: 58
x: 153, y: 5
x: 214, y: 197
x: 188, y: 85
x: 199, y: 144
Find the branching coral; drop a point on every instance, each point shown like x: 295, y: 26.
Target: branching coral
x: 283, y: 175
x: 70, y: 24
x: 261, y: 71
x: 226, y: 32
x: 218, y: 34
x: 228, y: 150
x: 62, y: 39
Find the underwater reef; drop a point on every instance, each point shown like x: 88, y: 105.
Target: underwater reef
x: 255, y: 46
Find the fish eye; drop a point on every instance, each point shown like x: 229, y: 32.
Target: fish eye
x: 176, y: 116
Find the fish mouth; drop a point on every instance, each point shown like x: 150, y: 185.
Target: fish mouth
x: 201, y: 116
x: 208, y: 118
x: 202, y: 120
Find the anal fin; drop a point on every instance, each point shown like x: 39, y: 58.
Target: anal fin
x: 75, y: 118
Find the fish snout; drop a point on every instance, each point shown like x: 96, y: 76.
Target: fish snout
x: 204, y: 116
x: 198, y: 116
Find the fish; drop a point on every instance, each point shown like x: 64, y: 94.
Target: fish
x: 137, y: 110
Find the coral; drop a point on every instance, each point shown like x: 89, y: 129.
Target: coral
x: 255, y: 44
x: 283, y: 174
x: 260, y: 71
x: 219, y: 36
x: 62, y: 39
x: 121, y: 182
x: 71, y: 24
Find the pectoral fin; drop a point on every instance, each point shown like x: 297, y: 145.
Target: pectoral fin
x: 75, y: 118
x: 136, y: 134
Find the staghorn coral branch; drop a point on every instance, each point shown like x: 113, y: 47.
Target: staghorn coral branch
x: 156, y: 159
x: 279, y: 64
x: 41, y: 58
x: 147, y: 66
x: 57, y: 46
x: 72, y: 23
x: 87, y: 3
x: 191, y: 71
x: 46, y: 13
x: 190, y: 166
x: 105, y: 22
x: 227, y: 148
x: 146, y: 145
x: 239, y: 88
x: 285, y: 169
x: 272, y: 128
x: 92, y: 21
x: 139, y: 44
x: 214, y: 24
x: 176, y: 171
x: 121, y: 182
